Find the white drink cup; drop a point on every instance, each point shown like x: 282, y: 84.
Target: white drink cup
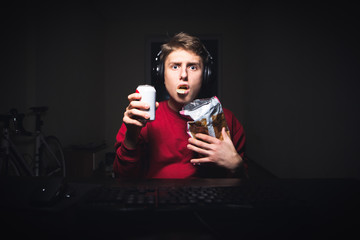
x: 148, y: 95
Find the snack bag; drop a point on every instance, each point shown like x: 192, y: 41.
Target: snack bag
x: 207, y: 115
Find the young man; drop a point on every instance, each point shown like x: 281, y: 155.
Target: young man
x: 162, y: 148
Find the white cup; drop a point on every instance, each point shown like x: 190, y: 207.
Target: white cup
x: 148, y: 95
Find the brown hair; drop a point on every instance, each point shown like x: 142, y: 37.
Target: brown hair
x: 187, y: 42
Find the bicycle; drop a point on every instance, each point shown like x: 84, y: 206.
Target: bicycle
x: 48, y: 159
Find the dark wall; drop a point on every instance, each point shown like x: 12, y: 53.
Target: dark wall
x: 302, y: 79
x: 54, y: 57
x: 289, y: 72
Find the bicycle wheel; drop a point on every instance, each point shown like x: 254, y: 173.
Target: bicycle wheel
x: 52, y: 162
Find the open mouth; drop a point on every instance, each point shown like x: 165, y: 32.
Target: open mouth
x: 182, y: 89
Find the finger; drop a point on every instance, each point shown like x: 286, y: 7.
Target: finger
x: 199, y: 143
x: 137, y: 114
x: 156, y: 104
x: 129, y: 121
x: 206, y: 138
x: 224, y: 134
x: 200, y: 160
x: 197, y: 149
x: 138, y: 105
x: 134, y: 97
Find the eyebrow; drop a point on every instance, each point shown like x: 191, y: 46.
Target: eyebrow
x: 188, y: 63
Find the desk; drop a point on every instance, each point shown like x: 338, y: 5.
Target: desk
x: 332, y: 212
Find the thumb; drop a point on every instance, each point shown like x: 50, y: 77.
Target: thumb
x: 225, y: 134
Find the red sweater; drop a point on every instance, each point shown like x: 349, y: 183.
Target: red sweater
x: 161, y: 150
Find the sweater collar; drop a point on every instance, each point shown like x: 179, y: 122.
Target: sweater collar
x: 175, y: 113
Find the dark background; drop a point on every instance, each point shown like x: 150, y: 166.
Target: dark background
x: 289, y: 71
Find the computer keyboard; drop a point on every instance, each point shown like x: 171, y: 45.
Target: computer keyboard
x: 270, y: 194
x: 177, y: 198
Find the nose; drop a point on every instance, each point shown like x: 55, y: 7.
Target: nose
x: 183, y: 74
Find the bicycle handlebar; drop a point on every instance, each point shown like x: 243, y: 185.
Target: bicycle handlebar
x: 17, y: 120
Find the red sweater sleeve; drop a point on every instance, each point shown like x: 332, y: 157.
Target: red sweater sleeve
x: 128, y: 162
x: 238, y: 138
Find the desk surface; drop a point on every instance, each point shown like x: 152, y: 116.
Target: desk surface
x: 334, y: 212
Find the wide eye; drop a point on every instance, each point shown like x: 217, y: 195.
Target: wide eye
x: 193, y: 67
x: 175, y: 67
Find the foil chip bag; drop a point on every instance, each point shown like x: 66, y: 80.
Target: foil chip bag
x: 208, y: 117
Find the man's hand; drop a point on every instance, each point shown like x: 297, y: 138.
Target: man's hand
x: 223, y: 153
x: 135, y: 118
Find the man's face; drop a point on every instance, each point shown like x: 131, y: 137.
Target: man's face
x: 183, y: 76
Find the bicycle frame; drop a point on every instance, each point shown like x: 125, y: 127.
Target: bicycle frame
x: 9, y: 146
x: 39, y: 140
x: 45, y: 150
x: 37, y: 153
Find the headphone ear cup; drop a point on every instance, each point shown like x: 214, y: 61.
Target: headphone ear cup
x: 207, y: 74
x: 160, y: 72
